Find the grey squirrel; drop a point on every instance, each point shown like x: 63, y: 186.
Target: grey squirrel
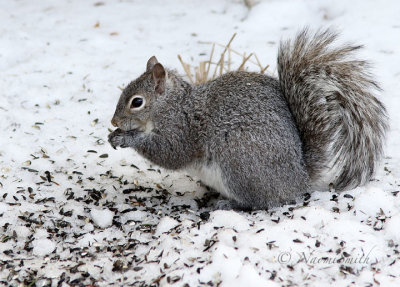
x: 258, y: 140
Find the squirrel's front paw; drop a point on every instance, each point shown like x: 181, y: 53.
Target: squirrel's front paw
x: 117, y: 139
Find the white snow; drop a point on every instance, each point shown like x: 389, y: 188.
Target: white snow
x: 229, y: 219
x: 22, y: 231
x: 109, y: 218
x: 42, y: 247
x: 166, y: 224
x: 393, y: 227
x: 102, y: 217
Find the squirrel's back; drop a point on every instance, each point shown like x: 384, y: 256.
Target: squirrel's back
x: 331, y: 96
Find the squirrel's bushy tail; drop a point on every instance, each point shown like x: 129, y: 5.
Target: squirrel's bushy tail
x: 341, y: 123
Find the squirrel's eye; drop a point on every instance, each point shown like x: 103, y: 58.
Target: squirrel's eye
x: 137, y: 102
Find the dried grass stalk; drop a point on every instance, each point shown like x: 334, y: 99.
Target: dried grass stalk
x: 202, y: 72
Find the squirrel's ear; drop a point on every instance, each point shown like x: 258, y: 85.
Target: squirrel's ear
x: 159, y: 78
x: 150, y: 63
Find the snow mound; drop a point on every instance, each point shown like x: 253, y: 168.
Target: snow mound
x: 102, y: 217
x: 166, y: 223
x: 43, y: 247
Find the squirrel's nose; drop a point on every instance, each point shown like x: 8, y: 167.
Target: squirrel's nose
x: 114, y: 122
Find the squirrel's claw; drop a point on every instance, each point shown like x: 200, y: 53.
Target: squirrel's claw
x: 116, y: 139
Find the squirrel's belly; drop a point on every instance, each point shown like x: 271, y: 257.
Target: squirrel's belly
x: 210, y: 175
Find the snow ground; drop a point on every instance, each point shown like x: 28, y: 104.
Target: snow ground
x: 108, y: 218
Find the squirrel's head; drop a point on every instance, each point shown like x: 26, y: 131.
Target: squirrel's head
x: 136, y: 102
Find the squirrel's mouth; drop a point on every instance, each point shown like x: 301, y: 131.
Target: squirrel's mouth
x: 145, y: 127
x: 129, y: 125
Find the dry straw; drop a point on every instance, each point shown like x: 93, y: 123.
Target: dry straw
x: 210, y: 69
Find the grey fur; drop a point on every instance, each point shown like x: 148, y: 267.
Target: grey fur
x: 331, y: 96
x: 261, y: 141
